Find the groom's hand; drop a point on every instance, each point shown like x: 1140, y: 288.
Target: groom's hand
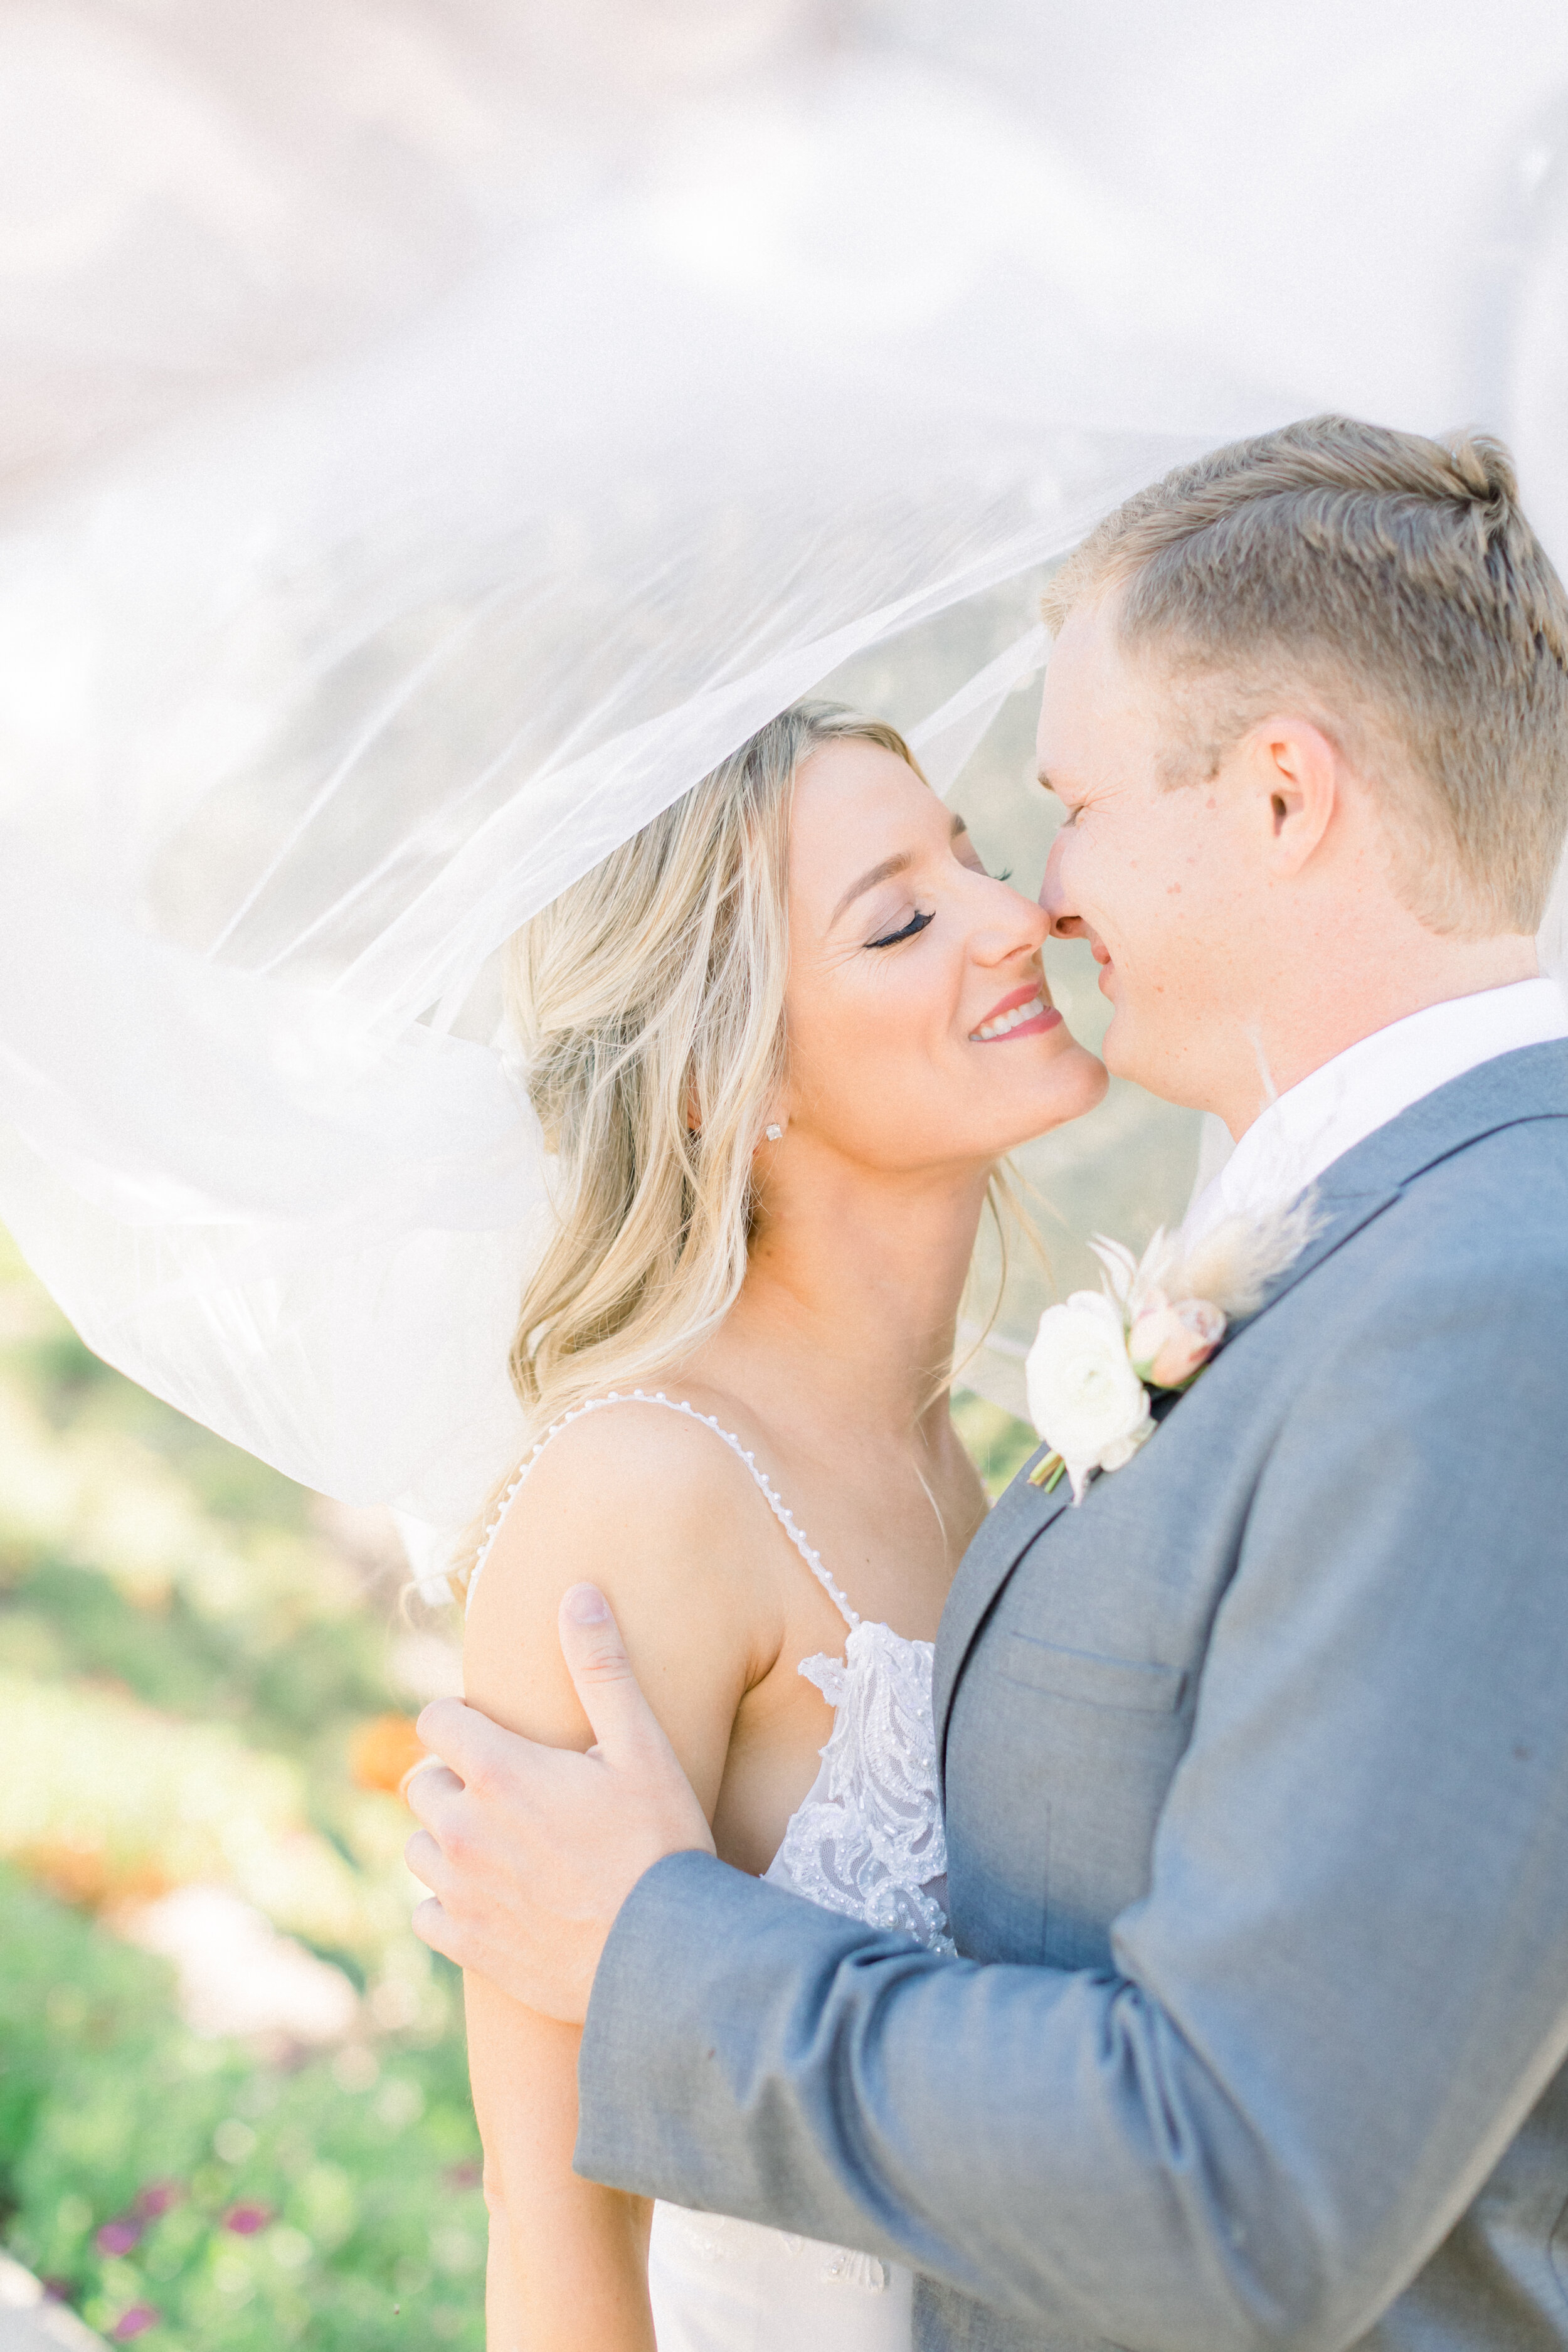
x: 529, y: 1851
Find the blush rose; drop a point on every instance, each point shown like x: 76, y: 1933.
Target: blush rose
x: 1167, y: 1345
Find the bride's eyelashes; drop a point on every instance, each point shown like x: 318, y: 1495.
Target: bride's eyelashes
x: 916, y: 924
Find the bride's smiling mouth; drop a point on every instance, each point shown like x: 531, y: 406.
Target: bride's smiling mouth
x: 1025, y: 1012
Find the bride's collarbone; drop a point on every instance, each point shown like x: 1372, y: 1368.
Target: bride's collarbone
x: 889, y: 1540
x: 888, y: 1517
x: 882, y: 1542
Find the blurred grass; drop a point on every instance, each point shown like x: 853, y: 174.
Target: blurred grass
x: 996, y: 1442
x: 196, y: 1684
x: 332, y: 2203
x: 191, y: 1666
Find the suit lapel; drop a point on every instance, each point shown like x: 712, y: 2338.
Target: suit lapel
x: 1024, y: 1512
x: 1017, y: 1516
x: 1342, y: 1214
x: 1528, y: 1084
x: 1531, y: 1084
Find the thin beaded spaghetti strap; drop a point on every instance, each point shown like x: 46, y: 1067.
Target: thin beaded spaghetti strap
x: 775, y: 1502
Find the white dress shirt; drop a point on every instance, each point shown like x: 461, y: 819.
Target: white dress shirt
x: 1304, y: 1131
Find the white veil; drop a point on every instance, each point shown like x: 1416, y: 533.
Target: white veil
x: 448, y: 505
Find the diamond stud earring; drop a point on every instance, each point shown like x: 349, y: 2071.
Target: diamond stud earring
x: 773, y: 1133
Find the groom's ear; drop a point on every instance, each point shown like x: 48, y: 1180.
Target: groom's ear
x: 1297, y: 773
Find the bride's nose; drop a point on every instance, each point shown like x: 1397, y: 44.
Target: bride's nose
x: 1021, y: 931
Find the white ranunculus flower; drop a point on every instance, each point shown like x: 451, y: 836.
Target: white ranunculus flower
x: 1085, y: 1399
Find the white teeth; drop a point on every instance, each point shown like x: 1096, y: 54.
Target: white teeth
x: 1006, y: 1021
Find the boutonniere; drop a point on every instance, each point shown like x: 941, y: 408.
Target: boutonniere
x: 1153, y: 1324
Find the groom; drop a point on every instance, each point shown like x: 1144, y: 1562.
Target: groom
x: 1257, y: 1762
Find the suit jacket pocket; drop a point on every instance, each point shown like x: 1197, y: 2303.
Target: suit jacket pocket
x: 1144, y: 1686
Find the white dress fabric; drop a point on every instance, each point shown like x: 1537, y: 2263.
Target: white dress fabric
x: 867, y: 1842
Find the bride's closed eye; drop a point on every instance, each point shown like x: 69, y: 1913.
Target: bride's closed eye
x: 916, y: 924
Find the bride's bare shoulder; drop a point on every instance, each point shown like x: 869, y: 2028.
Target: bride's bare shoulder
x: 654, y: 1508
x: 634, y: 1471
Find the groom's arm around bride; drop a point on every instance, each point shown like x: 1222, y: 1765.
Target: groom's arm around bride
x: 1256, y: 1761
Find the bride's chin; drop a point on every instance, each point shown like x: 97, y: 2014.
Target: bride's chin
x: 1077, y: 1084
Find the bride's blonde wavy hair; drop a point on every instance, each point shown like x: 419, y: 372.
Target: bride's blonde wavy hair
x: 647, y: 1000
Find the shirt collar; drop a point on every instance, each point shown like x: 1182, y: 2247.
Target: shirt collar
x: 1311, y: 1126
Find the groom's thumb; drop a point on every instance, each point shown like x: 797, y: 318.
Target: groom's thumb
x: 596, y: 1661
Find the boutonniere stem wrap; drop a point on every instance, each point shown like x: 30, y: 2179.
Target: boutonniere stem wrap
x: 1153, y: 1325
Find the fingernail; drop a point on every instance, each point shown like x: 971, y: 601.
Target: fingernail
x: 586, y: 1605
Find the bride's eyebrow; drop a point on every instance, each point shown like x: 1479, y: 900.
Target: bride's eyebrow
x: 870, y: 879
x: 884, y: 872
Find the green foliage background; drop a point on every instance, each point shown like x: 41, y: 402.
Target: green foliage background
x: 354, y: 2190
x: 185, y: 1661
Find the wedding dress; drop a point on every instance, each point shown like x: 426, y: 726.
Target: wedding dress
x: 867, y: 1842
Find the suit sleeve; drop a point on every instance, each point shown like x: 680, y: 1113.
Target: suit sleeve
x: 1346, y: 1985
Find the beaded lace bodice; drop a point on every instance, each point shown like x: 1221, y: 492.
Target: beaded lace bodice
x: 868, y: 1841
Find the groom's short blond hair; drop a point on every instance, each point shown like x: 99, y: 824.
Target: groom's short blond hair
x: 1393, y: 585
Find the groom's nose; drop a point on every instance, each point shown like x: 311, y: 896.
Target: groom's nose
x: 1054, y: 903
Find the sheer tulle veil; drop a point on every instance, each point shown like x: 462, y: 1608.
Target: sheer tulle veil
x: 437, y: 439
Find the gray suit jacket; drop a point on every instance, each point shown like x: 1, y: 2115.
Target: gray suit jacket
x: 1256, y: 1779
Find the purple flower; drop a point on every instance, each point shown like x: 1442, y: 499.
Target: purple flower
x: 119, y: 2237
x: 158, y: 2197
x: 246, y: 2220
x: 135, y: 2322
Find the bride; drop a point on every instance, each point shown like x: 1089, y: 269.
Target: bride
x: 777, y: 1043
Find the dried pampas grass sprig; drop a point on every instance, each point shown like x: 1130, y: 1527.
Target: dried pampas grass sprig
x: 1231, y: 1265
